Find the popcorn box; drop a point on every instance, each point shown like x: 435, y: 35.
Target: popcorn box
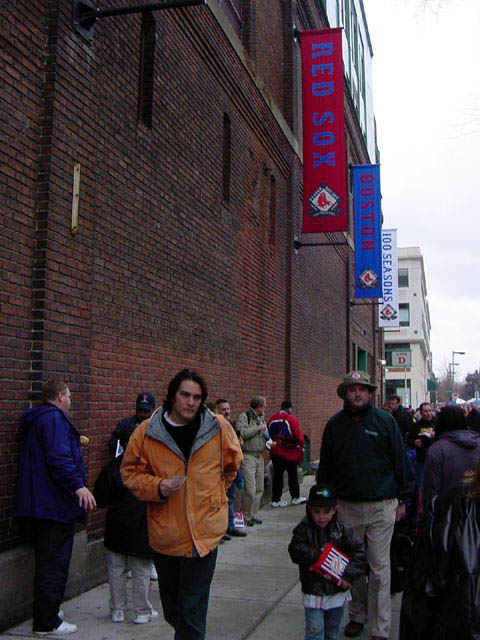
x: 331, y: 563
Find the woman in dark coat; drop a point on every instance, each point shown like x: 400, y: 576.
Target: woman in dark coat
x: 442, y: 598
x: 473, y: 420
x: 454, y: 451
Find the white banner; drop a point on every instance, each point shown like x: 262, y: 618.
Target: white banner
x: 388, y: 309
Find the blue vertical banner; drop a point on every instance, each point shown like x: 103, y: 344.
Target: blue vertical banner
x: 367, y: 214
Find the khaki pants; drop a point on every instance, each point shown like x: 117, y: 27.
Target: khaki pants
x: 117, y: 568
x: 373, y: 522
x: 253, y: 471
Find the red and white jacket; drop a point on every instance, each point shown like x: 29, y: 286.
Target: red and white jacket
x: 285, y: 432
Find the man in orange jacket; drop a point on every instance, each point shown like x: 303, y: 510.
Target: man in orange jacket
x: 181, y: 461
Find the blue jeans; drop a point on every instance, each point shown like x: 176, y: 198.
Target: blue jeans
x: 323, y: 624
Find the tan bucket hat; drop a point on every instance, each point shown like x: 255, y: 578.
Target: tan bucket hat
x: 354, y: 377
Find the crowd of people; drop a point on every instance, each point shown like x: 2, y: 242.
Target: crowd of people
x: 183, y: 476
x: 170, y: 493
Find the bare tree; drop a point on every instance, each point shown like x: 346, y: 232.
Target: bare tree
x: 447, y: 385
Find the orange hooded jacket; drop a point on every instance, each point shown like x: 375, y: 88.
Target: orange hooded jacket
x: 196, y: 516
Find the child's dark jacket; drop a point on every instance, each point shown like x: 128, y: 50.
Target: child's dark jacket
x: 307, y: 543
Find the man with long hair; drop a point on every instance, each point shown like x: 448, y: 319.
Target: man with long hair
x: 181, y: 461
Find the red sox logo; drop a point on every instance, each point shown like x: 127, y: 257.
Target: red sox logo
x: 324, y: 203
x: 368, y: 279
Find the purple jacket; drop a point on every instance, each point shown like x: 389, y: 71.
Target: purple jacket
x: 50, y: 466
x: 449, y: 457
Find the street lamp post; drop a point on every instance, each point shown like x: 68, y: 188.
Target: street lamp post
x: 460, y: 353
x: 383, y: 370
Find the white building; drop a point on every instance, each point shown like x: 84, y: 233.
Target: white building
x: 407, y: 350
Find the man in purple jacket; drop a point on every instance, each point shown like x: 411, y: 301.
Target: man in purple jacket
x: 51, y: 492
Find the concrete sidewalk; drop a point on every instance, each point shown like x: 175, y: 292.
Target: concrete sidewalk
x: 255, y: 593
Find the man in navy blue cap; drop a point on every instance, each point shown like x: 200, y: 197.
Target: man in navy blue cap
x: 118, y: 441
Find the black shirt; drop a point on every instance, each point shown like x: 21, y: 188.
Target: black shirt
x: 184, y: 435
x: 414, y: 433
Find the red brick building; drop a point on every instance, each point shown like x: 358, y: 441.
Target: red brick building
x: 183, y: 126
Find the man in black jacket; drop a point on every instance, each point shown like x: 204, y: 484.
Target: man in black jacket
x: 401, y: 415
x: 144, y: 407
x: 363, y: 456
x: 420, y: 437
x: 126, y: 538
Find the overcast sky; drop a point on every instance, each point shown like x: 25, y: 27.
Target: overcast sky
x: 426, y: 90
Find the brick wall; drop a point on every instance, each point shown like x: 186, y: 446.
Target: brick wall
x: 22, y: 34
x: 163, y: 272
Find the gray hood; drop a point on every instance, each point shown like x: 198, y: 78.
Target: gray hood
x: 461, y: 437
x: 209, y: 427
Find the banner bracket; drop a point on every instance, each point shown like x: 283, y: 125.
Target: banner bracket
x: 298, y: 244
x: 362, y: 304
x: 85, y: 15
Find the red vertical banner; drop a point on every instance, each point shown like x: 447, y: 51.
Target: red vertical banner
x: 324, y: 163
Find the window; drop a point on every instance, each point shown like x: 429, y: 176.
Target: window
x: 394, y: 346
x: 397, y: 387
x: 404, y: 315
x: 273, y: 211
x: 145, y: 82
x: 227, y: 152
x: 361, y: 359
x: 403, y: 277
x: 347, y: 18
x: 354, y: 36
x: 397, y: 346
x: 361, y: 70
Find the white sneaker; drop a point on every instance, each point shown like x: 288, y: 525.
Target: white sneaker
x: 280, y: 503
x: 64, y: 629
x: 129, y: 575
x: 153, y: 572
x: 298, y: 500
x: 118, y: 615
x: 143, y: 618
